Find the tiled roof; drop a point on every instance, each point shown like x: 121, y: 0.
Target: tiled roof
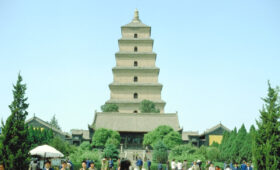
x: 131, y: 122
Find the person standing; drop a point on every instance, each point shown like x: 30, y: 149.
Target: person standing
x: 173, y: 165
x: 179, y: 165
x: 34, y: 165
x: 235, y: 166
x: 139, y: 163
x: 118, y: 164
x: 185, y: 165
x: 91, y: 166
x: 195, y: 166
x: 84, y: 165
x: 104, y: 165
x: 160, y: 166
x: 167, y: 165
x: 64, y: 166
x: 149, y: 163
x: 48, y: 165
x: 243, y: 166
x: 111, y: 164
x: 249, y: 167
x: 211, y: 167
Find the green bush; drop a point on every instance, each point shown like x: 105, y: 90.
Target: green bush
x: 160, y: 153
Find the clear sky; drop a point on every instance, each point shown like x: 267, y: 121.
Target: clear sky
x: 215, y: 56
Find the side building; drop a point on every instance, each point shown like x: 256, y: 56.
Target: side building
x: 214, y: 134
x: 39, y: 123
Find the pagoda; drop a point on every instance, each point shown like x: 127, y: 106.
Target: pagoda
x: 135, y: 74
x: 135, y: 80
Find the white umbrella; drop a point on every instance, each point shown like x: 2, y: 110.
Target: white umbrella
x: 46, y: 151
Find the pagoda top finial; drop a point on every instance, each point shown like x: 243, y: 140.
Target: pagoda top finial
x: 136, y: 16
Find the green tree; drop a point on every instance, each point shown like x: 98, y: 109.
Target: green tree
x: 15, y: 132
x: 102, y: 136
x: 110, y: 108
x: 147, y: 106
x: 38, y: 136
x: 63, y: 146
x: 83, y: 152
x: 110, y: 151
x: 266, y: 148
x: 54, y: 123
x: 240, y: 146
x: 160, y: 153
x: 163, y: 133
x: 212, y: 153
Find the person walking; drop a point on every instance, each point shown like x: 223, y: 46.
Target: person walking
x: 139, y: 163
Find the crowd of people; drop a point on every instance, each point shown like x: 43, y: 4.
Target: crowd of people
x: 124, y: 164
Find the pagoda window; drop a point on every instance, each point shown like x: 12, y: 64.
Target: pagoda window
x: 135, y: 63
x: 135, y: 36
x: 135, y: 49
x: 135, y: 95
x: 135, y: 79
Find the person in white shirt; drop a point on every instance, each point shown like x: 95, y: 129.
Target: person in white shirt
x: 179, y: 165
x: 211, y: 167
x: 173, y: 164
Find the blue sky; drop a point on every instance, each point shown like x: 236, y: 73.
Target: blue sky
x: 215, y: 56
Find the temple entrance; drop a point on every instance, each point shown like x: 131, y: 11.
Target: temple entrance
x: 132, y: 140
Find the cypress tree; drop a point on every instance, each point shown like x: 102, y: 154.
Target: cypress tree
x: 15, y: 132
x: 266, y: 148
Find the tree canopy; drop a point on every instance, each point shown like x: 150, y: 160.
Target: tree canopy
x: 163, y: 133
x: 103, y: 136
x: 110, y: 108
x: 147, y: 106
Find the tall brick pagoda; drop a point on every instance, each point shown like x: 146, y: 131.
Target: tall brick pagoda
x: 135, y: 74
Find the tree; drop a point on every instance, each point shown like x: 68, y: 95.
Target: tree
x: 15, y: 132
x: 83, y: 152
x: 110, y: 108
x: 147, y: 106
x: 163, y: 133
x: 54, y: 123
x: 266, y: 145
x: 62, y: 146
x: 102, y: 136
x: 110, y: 151
x: 38, y: 136
x: 160, y: 153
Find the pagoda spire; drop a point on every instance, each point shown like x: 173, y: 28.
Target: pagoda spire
x: 136, y: 16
